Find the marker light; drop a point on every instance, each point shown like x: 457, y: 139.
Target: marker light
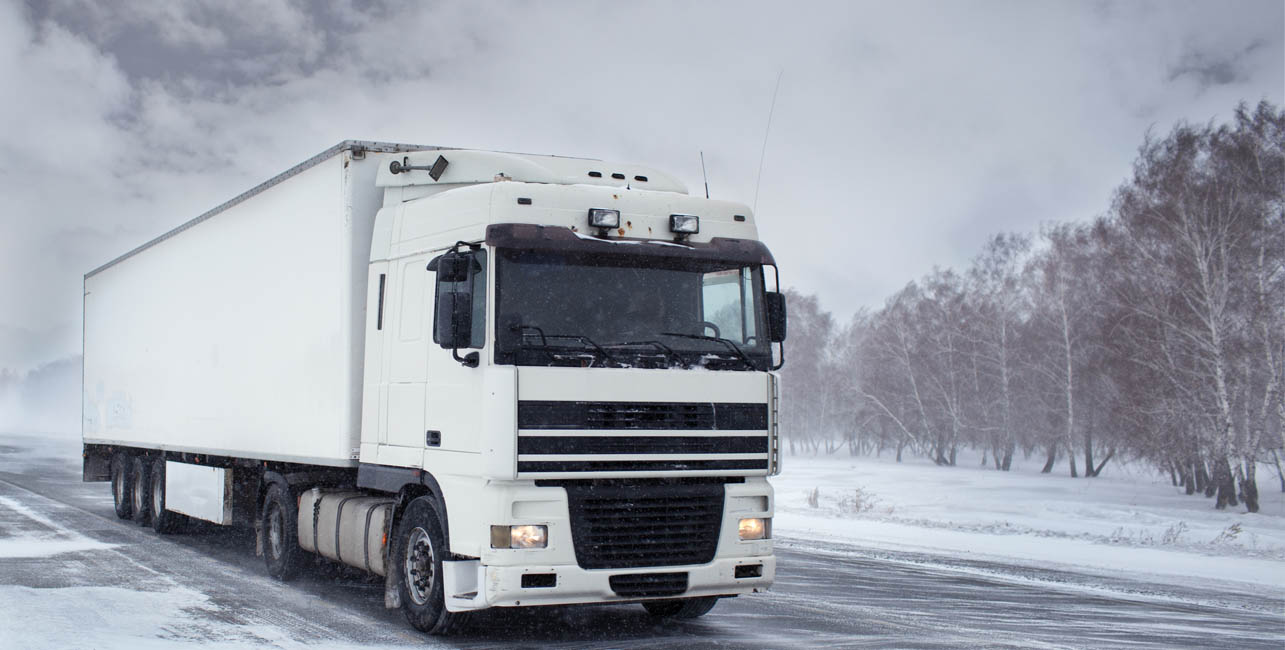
x: 527, y: 536
x: 684, y: 224
x: 752, y: 528
x: 603, y: 218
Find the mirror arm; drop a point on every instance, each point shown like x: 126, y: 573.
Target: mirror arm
x: 469, y: 360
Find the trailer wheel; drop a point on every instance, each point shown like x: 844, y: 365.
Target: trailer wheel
x: 281, y: 552
x: 141, y: 490
x: 683, y: 608
x: 164, y: 521
x: 122, y: 490
x: 418, y: 551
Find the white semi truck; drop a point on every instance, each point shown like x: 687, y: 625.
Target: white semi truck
x: 493, y: 379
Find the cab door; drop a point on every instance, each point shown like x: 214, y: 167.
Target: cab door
x: 407, y: 361
x: 455, y: 380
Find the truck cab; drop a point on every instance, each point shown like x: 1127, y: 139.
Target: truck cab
x: 569, y: 369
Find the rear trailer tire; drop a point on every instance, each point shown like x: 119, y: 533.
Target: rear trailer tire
x: 418, y: 551
x: 683, y: 608
x: 281, y: 553
x: 141, y: 490
x: 122, y: 486
x: 164, y: 521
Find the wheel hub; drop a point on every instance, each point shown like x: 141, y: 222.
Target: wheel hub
x: 274, y: 530
x: 158, y: 495
x: 138, y: 492
x: 419, y: 566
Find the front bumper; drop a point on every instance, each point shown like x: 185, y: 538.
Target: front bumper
x: 470, y: 585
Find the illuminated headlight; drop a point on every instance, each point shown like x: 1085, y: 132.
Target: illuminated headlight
x: 600, y: 218
x: 753, y: 528
x: 527, y: 536
x: 684, y: 224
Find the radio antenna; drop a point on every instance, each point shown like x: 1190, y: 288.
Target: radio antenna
x: 766, y: 131
x: 704, y: 175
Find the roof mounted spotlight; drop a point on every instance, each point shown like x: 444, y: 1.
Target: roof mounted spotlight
x: 604, y: 220
x: 435, y: 170
x: 684, y: 225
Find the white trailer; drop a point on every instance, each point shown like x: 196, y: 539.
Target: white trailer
x: 494, y: 379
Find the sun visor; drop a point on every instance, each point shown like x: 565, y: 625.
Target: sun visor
x: 563, y: 239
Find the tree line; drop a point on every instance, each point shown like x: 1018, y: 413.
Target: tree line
x: 1155, y: 332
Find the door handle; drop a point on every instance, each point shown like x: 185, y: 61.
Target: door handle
x: 433, y: 438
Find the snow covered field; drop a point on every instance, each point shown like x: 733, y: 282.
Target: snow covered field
x: 893, y: 555
x: 1130, y: 519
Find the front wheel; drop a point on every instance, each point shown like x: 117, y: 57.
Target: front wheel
x: 684, y: 608
x: 417, y: 559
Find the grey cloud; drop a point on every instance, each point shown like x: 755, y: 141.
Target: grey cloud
x: 903, y: 134
x: 1209, y: 69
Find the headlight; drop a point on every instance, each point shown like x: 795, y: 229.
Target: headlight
x: 684, y: 224
x: 753, y: 528
x: 527, y: 536
x: 601, y: 218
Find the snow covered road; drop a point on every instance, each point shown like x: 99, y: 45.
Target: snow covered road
x: 74, y: 576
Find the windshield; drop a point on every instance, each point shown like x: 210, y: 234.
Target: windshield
x: 560, y: 308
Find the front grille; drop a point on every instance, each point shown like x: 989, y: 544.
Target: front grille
x: 646, y: 585
x: 620, y: 525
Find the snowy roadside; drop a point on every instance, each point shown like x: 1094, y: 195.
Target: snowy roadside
x: 1126, y: 522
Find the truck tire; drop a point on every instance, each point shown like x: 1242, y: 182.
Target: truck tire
x: 122, y: 494
x: 281, y: 552
x: 141, y: 490
x: 682, y: 608
x: 418, y: 550
x: 164, y: 521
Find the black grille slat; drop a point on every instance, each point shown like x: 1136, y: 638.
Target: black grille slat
x: 695, y: 416
x: 646, y: 585
x: 529, y: 445
x: 644, y: 524
x: 639, y: 465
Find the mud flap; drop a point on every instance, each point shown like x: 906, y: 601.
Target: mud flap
x: 392, y: 595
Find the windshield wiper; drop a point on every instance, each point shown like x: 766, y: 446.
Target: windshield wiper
x: 588, y: 344
x: 671, y: 358
x: 732, y: 346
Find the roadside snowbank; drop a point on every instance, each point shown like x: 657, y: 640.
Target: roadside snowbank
x: 1128, y: 520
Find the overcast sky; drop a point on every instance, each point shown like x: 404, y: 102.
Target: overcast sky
x: 904, y: 133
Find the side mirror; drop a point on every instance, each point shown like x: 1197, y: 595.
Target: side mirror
x: 451, y: 267
x: 775, y: 303
x: 453, y: 327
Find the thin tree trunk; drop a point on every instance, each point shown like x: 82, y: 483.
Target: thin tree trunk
x: 1088, y: 453
x: 1249, y: 485
x: 1052, y: 457
x: 1173, y: 476
x: 1276, y: 457
x: 1203, y: 484
x: 1226, y: 486
x: 1097, y: 471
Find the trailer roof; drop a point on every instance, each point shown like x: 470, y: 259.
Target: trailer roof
x: 346, y: 145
